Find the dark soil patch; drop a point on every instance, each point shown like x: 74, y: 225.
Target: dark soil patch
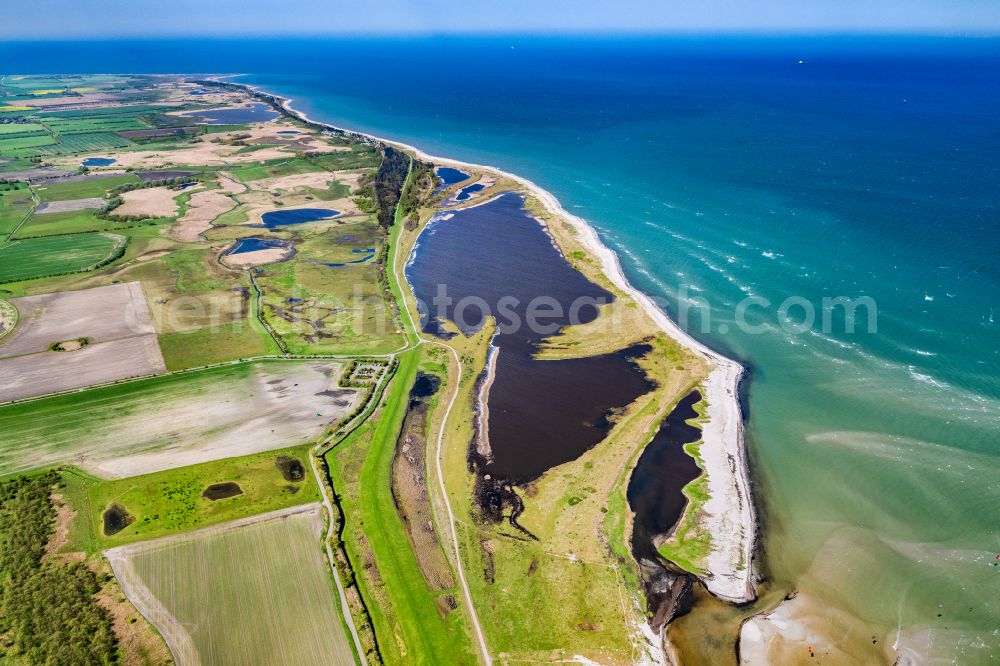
x: 291, y: 468
x: 116, y: 518
x: 218, y: 491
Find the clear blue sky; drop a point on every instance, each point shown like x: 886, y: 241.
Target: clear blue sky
x: 39, y: 19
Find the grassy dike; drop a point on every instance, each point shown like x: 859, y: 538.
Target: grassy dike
x: 407, y: 617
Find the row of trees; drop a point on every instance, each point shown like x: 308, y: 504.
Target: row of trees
x: 48, y: 613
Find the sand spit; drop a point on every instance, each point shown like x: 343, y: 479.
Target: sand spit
x: 729, y: 515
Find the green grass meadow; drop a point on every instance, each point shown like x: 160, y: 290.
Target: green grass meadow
x: 170, y: 502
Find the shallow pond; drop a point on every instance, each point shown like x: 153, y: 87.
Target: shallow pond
x: 254, y: 244
x: 291, y: 468
x: 116, y: 518
x: 98, y: 161
x: 283, y: 218
x: 224, y: 490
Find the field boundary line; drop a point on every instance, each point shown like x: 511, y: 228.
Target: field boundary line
x: 193, y: 535
x: 345, y: 607
x: 35, y: 202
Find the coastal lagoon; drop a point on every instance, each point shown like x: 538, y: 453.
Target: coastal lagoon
x: 723, y: 169
x: 541, y: 412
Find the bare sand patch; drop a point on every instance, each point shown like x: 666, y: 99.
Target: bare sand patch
x: 148, y: 202
x: 230, y: 185
x: 69, y: 205
x: 203, y: 153
x: 60, y: 535
x: 271, y: 255
x: 152, y: 255
x: 89, y: 99
x: 316, y: 179
x: 203, y: 208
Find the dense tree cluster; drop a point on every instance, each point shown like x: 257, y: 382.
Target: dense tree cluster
x: 48, y: 614
x: 389, y: 181
x: 421, y: 186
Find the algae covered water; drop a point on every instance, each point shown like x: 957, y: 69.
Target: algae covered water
x: 743, y: 182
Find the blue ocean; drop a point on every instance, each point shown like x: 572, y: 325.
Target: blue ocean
x: 757, y: 188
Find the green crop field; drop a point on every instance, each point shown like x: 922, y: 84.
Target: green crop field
x: 83, y: 189
x: 25, y: 145
x: 21, y: 128
x: 75, y: 143
x: 250, y: 594
x: 70, y: 222
x: 216, y: 344
x: 55, y: 255
x: 171, y: 501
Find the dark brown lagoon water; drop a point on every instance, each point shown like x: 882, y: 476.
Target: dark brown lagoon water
x: 495, y: 258
x: 663, y: 469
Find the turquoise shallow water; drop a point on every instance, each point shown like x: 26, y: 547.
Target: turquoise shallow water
x: 727, y: 169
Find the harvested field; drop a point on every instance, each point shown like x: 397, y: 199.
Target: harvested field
x: 115, y: 321
x: 153, y: 176
x: 203, y: 208
x: 69, y: 206
x: 101, y: 314
x: 254, y: 591
x: 175, y: 420
x: 148, y: 202
x: 318, y: 179
x: 53, y: 371
x: 36, y: 175
x: 88, y: 99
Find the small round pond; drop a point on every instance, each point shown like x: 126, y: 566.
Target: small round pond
x: 224, y: 490
x: 116, y: 518
x: 291, y: 468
